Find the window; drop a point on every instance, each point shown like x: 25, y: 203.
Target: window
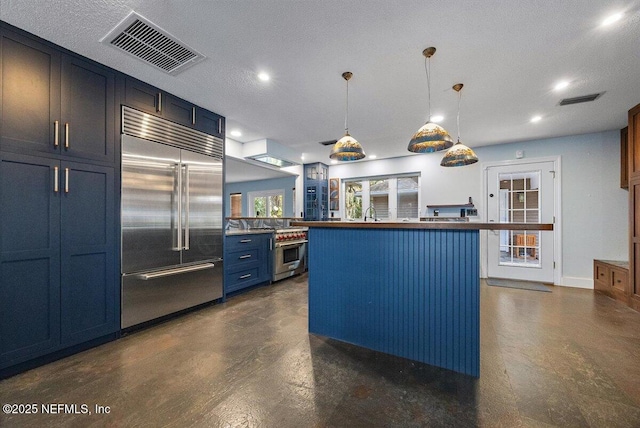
x: 383, y: 198
x: 267, y: 203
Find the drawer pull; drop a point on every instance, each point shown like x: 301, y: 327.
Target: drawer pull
x: 248, y: 275
x: 602, y: 274
x: 619, y: 280
x: 246, y: 256
x: 244, y: 241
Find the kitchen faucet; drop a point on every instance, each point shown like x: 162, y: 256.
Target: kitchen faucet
x: 371, y: 210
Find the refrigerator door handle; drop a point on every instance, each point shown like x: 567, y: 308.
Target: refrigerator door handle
x: 186, y: 207
x: 178, y: 198
x: 176, y: 271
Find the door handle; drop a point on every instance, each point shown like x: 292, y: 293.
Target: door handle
x: 66, y: 135
x: 186, y: 207
x: 66, y: 180
x: 193, y: 115
x: 179, y: 197
x: 56, y: 134
x: 55, y: 180
x: 159, y: 107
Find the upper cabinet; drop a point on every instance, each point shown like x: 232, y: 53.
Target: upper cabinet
x: 54, y: 103
x: 154, y: 101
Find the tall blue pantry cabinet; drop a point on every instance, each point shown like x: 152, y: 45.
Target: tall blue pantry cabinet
x: 59, y: 175
x: 316, y: 192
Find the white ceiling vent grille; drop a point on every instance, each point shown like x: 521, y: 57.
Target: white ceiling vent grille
x: 141, y: 38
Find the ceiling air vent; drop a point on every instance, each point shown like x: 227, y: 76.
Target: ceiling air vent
x: 582, y: 99
x: 144, y: 40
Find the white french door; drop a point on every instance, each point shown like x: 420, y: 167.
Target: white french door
x: 521, y: 193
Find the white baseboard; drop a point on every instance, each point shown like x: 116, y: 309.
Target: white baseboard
x: 572, y: 281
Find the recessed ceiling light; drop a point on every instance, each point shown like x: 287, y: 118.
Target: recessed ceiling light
x: 374, y: 156
x: 333, y: 162
x: 612, y: 18
x: 535, y: 119
x: 235, y: 133
x: 302, y: 157
x: 264, y: 77
x: 561, y: 85
x: 437, y: 119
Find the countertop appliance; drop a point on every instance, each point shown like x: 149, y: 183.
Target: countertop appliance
x: 171, y: 217
x: 290, y: 252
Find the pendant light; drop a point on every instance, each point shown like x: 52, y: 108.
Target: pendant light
x: 347, y: 148
x: 431, y: 137
x: 459, y: 154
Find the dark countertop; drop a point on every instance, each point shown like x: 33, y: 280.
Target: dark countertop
x: 424, y: 225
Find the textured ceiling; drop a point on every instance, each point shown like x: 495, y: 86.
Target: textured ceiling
x: 508, y: 54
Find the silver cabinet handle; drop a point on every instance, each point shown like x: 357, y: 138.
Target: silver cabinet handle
x: 56, y: 134
x: 176, y: 271
x: 66, y: 180
x: 248, y: 275
x: 55, y: 180
x: 186, y: 207
x: 193, y: 115
x: 246, y: 256
x: 244, y: 241
x: 219, y: 125
x: 159, y: 108
x: 66, y: 135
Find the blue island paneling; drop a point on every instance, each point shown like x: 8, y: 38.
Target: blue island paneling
x: 412, y: 293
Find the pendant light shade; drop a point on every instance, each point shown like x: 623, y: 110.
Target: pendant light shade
x: 459, y: 154
x: 431, y: 137
x: 347, y: 148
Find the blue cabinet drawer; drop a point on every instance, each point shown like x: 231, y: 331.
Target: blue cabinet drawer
x: 241, y: 279
x: 242, y: 257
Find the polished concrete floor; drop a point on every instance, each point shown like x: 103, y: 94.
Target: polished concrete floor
x: 566, y: 358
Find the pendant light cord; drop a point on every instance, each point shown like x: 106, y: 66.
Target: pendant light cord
x: 346, y: 116
x: 427, y: 69
x: 458, y: 118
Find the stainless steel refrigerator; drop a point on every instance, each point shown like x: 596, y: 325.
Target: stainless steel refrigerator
x: 171, y: 218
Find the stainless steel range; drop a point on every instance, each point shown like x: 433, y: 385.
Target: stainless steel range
x: 290, y: 256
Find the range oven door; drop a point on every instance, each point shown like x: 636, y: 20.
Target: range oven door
x: 290, y: 259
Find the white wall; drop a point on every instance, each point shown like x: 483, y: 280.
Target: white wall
x: 594, y: 208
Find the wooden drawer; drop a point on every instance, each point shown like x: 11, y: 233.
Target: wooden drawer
x: 601, y: 277
x: 611, y: 278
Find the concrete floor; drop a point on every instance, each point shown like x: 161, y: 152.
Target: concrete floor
x: 566, y: 358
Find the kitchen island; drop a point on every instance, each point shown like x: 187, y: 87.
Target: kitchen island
x: 409, y: 289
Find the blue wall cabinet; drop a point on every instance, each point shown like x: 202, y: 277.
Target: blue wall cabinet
x: 247, y: 260
x: 316, y: 192
x: 29, y: 257
x: 53, y: 102
x: 58, y: 282
x: 152, y: 100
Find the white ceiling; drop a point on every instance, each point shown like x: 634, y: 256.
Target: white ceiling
x: 509, y: 55
x: 237, y: 170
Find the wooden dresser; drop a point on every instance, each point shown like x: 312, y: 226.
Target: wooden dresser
x: 612, y: 278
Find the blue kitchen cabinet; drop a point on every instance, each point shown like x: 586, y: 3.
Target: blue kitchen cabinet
x: 89, y: 285
x: 316, y: 192
x: 247, y: 261
x: 58, y: 282
x: 154, y: 101
x: 53, y: 102
x: 29, y: 257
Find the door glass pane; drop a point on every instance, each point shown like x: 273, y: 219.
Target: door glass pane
x: 408, y: 197
x: 275, y: 206
x: 379, y: 199
x: 260, y: 206
x: 353, y: 199
x: 519, y: 203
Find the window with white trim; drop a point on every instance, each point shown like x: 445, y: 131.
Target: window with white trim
x: 265, y: 203
x: 383, y: 198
